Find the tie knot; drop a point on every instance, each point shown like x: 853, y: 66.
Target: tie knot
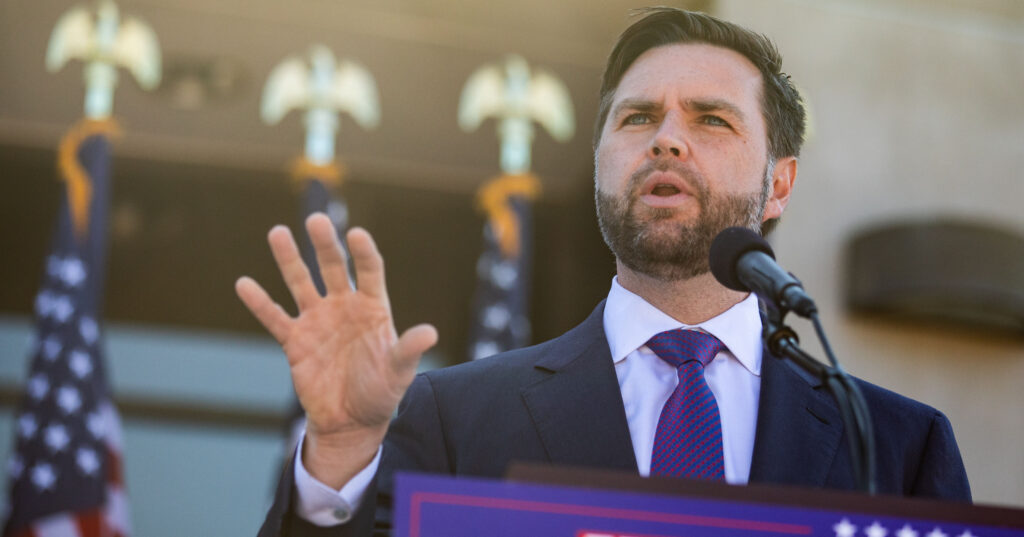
x: 680, y: 346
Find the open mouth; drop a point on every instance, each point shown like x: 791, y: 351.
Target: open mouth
x: 664, y: 190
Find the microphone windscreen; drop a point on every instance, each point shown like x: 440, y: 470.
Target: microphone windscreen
x: 726, y: 251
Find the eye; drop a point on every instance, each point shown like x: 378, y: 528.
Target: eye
x: 637, y: 118
x: 715, y: 121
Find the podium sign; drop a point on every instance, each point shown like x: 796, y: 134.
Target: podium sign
x: 441, y: 506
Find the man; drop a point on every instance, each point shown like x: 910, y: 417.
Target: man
x: 698, y: 130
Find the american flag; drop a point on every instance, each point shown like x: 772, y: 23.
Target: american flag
x: 65, y: 473
x: 500, y: 321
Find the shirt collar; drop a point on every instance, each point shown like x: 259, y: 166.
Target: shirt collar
x: 630, y: 321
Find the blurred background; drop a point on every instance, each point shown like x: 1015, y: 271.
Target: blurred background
x: 916, y: 118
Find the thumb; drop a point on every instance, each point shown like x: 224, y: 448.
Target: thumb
x: 412, y: 344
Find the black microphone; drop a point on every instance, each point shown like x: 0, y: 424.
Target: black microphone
x: 743, y: 261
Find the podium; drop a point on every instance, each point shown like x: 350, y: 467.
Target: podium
x: 539, y: 501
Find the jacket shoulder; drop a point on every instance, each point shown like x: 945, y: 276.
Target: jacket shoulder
x: 919, y: 439
x: 552, y: 354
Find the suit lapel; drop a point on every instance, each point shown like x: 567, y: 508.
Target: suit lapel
x: 798, y: 427
x: 579, y: 415
x: 577, y: 408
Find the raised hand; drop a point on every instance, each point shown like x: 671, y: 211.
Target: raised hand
x: 348, y: 365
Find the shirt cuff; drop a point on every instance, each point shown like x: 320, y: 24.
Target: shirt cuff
x: 321, y: 504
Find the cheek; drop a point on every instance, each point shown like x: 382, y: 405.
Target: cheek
x: 613, y: 165
x: 604, y: 170
x: 736, y: 167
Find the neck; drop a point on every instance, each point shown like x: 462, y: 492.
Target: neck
x: 690, y: 301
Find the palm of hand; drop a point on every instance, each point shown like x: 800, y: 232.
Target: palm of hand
x: 341, y: 354
x: 349, y: 367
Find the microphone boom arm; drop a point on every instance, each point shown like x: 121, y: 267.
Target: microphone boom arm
x: 782, y: 341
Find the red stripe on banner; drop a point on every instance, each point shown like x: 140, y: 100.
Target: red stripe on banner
x: 420, y: 498
x: 591, y: 533
x: 90, y: 523
x: 115, y: 474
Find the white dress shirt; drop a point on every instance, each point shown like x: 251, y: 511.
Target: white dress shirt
x: 646, y: 381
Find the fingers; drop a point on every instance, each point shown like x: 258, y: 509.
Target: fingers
x: 293, y: 270
x: 413, y: 343
x: 368, y: 262
x: 329, y: 253
x: 266, y: 311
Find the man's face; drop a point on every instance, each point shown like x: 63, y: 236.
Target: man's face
x: 682, y: 155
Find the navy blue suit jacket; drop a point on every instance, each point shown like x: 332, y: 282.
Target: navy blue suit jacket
x: 559, y: 403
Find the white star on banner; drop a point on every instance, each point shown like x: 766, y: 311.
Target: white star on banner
x: 57, y: 437
x: 15, y: 466
x: 338, y: 213
x: 94, y: 422
x: 27, y: 425
x: 875, y: 530
x: 43, y: 476
x: 72, y: 272
x: 483, y: 349
x: 906, y: 531
x: 967, y: 533
x: 936, y: 533
x: 845, y: 529
x: 496, y: 317
x: 89, y: 330
x: 62, y: 308
x: 44, y: 303
x: 87, y: 460
x: 51, y: 347
x: 38, y: 386
x: 68, y: 399
x: 80, y: 363
x: 504, y: 274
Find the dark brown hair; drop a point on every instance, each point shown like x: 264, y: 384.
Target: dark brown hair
x: 780, y: 102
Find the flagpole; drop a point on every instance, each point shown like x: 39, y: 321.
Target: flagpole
x: 322, y: 87
x: 516, y: 97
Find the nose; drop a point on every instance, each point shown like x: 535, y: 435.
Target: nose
x: 656, y: 150
x: 669, y: 139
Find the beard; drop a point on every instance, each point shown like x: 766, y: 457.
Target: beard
x: 648, y: 241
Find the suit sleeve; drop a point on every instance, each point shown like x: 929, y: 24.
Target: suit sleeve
x: 941, y: 473
x: 415, y: 442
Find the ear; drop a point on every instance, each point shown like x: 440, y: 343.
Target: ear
x: 783, y: 177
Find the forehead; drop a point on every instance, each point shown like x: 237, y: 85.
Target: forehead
x: 693, y: 70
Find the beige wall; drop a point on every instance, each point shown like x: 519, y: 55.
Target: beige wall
x: 916, y: 114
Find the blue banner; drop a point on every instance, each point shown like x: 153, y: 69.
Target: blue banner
x: 441, y: 506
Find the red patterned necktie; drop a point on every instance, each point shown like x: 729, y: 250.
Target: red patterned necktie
x: 688, y: 442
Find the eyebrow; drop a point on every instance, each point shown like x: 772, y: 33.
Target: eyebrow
x: 716, y: 105
x: 639, y: 105
x: 700, y: 105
